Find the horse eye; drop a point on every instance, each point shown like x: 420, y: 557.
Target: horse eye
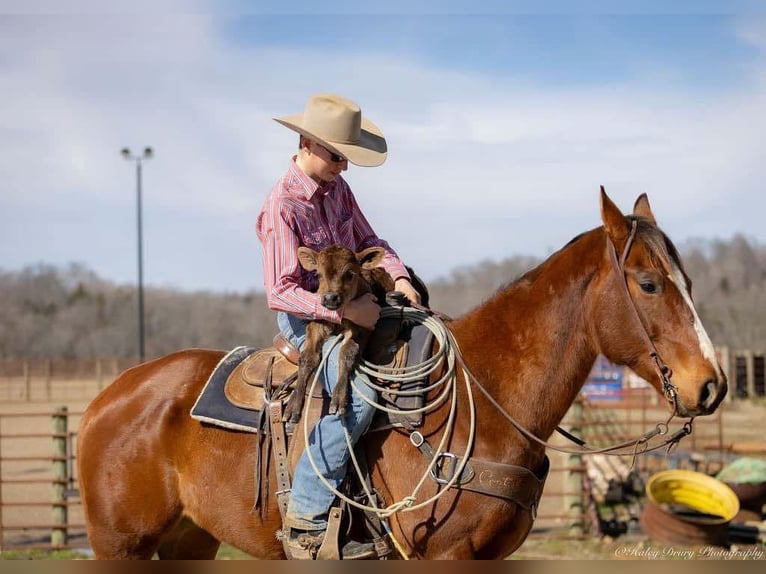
x: 648, y: 287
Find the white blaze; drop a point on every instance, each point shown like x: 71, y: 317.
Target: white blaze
x: 706, y: 345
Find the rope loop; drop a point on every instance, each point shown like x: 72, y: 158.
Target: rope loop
x: 446, y: 359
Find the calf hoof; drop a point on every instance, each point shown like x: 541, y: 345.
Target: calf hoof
x: 293, y: 410
x: 338, y: 405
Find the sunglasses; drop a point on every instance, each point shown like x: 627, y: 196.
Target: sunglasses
x: 333, y: 156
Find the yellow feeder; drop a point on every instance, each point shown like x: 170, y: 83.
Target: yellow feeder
x: 698, y: 491
x: 687, y: 507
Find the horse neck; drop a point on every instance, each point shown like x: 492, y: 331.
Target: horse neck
x: 529, y: 345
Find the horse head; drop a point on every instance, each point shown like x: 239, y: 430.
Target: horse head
x: 646, y: 297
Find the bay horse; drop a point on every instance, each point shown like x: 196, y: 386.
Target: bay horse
x: 154, y: 480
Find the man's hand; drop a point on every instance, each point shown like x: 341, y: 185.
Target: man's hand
x: 406, y: 287
x: 363, y: 311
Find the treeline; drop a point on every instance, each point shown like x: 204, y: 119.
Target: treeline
x: 70, y: 312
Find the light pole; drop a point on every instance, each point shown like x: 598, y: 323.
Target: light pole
x: 148, y: 153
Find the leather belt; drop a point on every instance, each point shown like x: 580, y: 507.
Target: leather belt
x: 508, y: 481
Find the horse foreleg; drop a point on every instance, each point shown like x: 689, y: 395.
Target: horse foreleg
x: 187, y: 541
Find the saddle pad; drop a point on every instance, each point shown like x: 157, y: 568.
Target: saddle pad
x: 214, y: 408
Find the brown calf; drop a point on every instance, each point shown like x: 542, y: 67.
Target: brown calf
x: 343, y: 276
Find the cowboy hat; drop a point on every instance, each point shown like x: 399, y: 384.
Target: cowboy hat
x: 336, y: 123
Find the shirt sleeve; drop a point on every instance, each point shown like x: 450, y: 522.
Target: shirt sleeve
x: 366, y: 237
x: 281, y: 269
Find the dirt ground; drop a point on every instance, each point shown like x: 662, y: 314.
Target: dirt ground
x: 637, y: 548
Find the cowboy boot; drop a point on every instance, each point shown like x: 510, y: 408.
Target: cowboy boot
x: 308, y: 545
x: 302, y: 544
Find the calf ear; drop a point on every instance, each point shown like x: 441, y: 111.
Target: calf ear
x: 371, y: 257
x: 307, y: 258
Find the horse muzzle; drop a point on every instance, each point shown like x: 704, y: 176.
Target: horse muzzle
x: 710, y: 395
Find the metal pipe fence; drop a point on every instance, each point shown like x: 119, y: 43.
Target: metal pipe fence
x: 40, y: 505
x: 39, y: 500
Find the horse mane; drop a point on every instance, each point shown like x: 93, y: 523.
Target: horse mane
x: 661, y: 250
x: 530, y: 276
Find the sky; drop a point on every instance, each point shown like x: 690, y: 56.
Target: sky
x: 502, y: 120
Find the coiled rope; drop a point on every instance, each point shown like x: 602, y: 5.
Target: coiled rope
x: 448, y: 349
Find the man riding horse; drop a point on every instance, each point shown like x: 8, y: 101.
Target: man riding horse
x: 313, y: 206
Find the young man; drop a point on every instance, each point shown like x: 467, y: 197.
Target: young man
x: 313, y: 206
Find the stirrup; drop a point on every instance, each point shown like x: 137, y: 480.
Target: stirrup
x: 330, y: 548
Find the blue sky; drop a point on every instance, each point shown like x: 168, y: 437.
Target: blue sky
x: 502, y: 118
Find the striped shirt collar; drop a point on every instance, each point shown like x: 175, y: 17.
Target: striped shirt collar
x: 308, y: 186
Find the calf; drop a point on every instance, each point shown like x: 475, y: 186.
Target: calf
x: 343, y: 276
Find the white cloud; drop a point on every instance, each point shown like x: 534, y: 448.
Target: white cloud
x: 479, y: 166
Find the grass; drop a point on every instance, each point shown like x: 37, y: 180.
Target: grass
x: 43, y: 555
x: 226, y: 552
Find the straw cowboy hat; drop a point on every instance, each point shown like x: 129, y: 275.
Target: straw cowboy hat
x: 336, y: 123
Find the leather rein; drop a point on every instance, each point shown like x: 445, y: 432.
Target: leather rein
x: 634, y: 446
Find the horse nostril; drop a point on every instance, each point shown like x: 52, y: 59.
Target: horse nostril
x: 708, y: 393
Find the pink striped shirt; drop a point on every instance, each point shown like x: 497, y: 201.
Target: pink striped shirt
x: 299, y: 212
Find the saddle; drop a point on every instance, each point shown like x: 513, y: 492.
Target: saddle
x: 262, y: 382
x: 244, y: 386
x: 271, y: 372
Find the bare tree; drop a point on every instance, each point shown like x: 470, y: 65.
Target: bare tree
x: 70, y: 312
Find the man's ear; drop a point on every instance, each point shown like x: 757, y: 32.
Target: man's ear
x: 307, y: 258
x: 303, y: 142
x: 371, y: 257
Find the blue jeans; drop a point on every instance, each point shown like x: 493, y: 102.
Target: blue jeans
x: 310, y: 499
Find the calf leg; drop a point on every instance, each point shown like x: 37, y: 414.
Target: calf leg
x: 347, y: 358
x: 307, y: 364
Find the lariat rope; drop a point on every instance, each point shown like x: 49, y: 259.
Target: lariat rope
x: 447, y: 351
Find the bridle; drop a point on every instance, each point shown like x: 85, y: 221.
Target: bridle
x: 663, y: 371
x: 640, y: 444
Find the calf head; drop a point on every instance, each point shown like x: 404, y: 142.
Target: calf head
x: 340, y: 271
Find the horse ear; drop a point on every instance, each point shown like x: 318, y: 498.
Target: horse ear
x: 643, y: 209
x: 615, y: 223
x: 307, y: 258
x: 371, y: 257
